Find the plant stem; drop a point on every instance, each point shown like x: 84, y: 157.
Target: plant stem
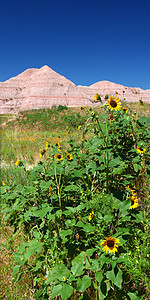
x: 58, y: 186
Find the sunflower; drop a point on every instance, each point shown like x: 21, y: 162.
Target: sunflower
x: 141, y: 102
x: 17, y: 163
x: 106, y: 97
x: 59, y: 156
x: 42, y: 151
x: 64, y: 278
x: 92, y: 113
x: 134, y: 202
x: 69, y: 156
x: 125, y: 109
x: 91, y: 216
x: 110, y: 244
x: 47, y: 145
x: 50, y: 189
x: 114, y: 103
x: 111, y: 118
x: 97, y: 97
x: 57, y: 144
x: 141, y: 149
x: 3, y: 183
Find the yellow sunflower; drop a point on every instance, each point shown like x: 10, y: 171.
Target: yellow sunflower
x: 42, y: 151
x: 141, y: 149
x: 97, y: 97
x: 57, y: 144
x: 125, y: 109
x: 134, y: 202
x: 141, y: 102
x: 3, y: 183
x: 114, y: 103
x: 69, y: 156
x: 110, y: 244
x: 47, y: 145
x: 17, y: 163
x: 111, y: 118
x: 91, y: 216
x: 59, y: 156
x: 50, y: 189
x: 92, y: 113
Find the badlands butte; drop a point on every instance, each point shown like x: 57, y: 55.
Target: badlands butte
x: 42, y: 88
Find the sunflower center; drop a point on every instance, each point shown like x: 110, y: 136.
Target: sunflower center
x: 59, y: 156
x: 113, y: 103
x: 110, y: 243
x: 141, y: 148
x: 132, y: 201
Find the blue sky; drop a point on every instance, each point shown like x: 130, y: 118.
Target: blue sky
x: 84, y: 40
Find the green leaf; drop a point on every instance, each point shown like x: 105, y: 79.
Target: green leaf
x: 77, y: 173
x: 136, y: 167
x: 41, y: 213
x: 99, y: 276
x: 120, y: 169
x: 80, y: 224
x: 71, y: 187
x: 89, y: 252
x: 132, y: 296
x: 139, y: 217
x: 124, y: 205
x: 18, y: 277
x: 115, y: 162
x: 44, y: 185
x: 77, y: 265
x: 70, y: 223
x: 58, y: 272
x: 33, y: 247
x: 15, y: 270
x: 64, y: 233
x: 103, y: 290
x: 95, y: 265
x: 83, y: 284
x: 38, y: 265
x: 116, y: 279
x: 108, y: 218
x: 88, y: 228
x: 64, y: 291
x: 56, y: 290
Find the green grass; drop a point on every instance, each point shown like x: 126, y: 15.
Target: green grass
x: 5, y: 118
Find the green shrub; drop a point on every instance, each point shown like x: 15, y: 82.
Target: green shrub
x: 81, y: 210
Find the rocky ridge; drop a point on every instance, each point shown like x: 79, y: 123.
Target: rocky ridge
x: 42, y: 88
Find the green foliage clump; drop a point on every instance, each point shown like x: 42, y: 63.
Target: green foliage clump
x: 83, y: 211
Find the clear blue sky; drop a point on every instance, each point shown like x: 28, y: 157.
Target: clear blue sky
x: 84, y: 40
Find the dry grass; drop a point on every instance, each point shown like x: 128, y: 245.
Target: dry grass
x: 9, y: 289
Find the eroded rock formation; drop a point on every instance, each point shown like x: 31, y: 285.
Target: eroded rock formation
x: 42, y: 88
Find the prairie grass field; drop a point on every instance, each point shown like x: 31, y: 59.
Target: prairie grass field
x: 75, y: 190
